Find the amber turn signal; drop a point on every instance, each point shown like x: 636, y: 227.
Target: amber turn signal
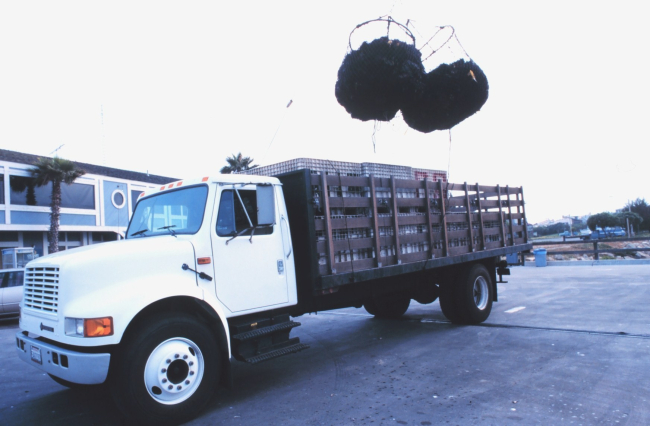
x: 98, y: 327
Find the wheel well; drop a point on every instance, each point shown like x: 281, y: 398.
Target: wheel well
x: 195, y: 307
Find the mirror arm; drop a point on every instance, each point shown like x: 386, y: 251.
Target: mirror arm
x: 238, y: 234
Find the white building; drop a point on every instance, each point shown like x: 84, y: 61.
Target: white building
x: 95, y: 208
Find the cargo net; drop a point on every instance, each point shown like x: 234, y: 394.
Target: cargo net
x: 386, y: 75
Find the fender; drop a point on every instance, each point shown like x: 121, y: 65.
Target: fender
x: 124, y: 276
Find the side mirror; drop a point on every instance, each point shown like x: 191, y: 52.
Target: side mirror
x: 265, y: 205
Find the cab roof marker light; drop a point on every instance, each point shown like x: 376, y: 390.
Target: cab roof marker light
x: 179, y: 183
x: 170, y: 186
x: 205, y: 179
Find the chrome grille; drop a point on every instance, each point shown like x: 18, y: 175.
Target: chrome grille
x: 41, y: 291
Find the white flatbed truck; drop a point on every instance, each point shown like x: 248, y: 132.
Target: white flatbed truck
x: 212, y: 270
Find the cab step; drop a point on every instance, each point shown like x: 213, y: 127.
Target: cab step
x: 259, y: 339
x: 277, y: 328
x: 297, y: 347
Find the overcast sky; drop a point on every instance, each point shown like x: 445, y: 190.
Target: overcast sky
x: 185, y: 84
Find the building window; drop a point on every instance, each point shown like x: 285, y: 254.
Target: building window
x: 25, y: 193
x: 78, y: 196
x: 73, y: 236
x: 9, y: 236
x: 134, y: 198
x: 118, y: 199
x: 100, y: 237
x: 2, y: 189
x: 75, y: 196
x: 68, y: 240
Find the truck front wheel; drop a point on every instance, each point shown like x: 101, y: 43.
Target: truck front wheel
x: 167, y: 371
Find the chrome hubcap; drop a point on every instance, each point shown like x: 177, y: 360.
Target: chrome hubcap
x: 174, y: 371
x: 481, y: 292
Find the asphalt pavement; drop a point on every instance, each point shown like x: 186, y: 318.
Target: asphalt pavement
x: 566, y: 345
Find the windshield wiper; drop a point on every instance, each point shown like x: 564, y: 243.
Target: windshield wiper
x: 142, y: 231
x: 169, y: 228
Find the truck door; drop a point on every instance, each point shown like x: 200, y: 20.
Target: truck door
x: 250, y: 270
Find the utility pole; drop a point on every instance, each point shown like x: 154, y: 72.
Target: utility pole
x: 627, y: 219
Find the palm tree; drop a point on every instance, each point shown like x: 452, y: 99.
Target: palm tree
x: 237, y: 163
x: 55, y: 170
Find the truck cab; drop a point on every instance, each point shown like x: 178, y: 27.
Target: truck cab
x: 195, y: 252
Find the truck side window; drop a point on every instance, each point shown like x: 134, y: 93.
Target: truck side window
x: 233, y: 218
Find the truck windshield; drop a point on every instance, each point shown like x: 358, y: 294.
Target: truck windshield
x: 170, y: 212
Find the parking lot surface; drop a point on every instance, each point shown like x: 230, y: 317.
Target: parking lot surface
x: 566, y: 345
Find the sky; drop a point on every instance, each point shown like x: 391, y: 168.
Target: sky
x: 173, y: 88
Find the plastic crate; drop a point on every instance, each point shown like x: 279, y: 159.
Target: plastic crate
x: 349, y: 169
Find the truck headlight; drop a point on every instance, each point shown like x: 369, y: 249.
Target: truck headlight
x: 89, y: 327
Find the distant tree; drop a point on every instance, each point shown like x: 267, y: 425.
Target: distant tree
x: 555, y: 228
x: 603, y: 220
x: 237, y: 163
x: 634, y: 218
x: 57, y: 171
x: 640, y: 207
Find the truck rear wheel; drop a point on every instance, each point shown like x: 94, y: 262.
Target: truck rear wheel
x: 168, y: 370
x: 427, y: 294
x: 469, y: 299
x: 448, y: 303
x: 387, y: 306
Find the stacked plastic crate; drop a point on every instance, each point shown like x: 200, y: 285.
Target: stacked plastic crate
x: 344, y: 168
x: 340, y: 168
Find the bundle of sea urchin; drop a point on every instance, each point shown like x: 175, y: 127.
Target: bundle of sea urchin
x: 450, y: 94
x: 384, y: 76
x: 376, y: 80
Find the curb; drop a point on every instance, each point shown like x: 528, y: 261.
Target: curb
x: 593, y: 262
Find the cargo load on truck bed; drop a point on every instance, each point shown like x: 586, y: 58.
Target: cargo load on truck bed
x: 367, y: 227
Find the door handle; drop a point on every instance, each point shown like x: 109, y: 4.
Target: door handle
x: 283, y: 219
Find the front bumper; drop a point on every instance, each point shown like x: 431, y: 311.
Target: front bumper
x: 75, y: 367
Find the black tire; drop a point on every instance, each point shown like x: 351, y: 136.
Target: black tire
x: 448, y: 303
x: 74, y: 386
x: 475, y: 295
x: 427, y: 294
x: 387, y: 306
x: 371, y: 307
x: 167, y: 371
x: 469, y: 299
